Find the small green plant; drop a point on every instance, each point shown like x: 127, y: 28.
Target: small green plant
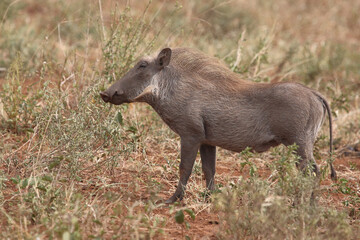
x: 180, y: 218
x: 353, y: 166
x: 288, y: 178
x: 125, y: 43
x: 246, y: 155
x: 19, y: 103
x: 343, y: 187
x: 339, y: 102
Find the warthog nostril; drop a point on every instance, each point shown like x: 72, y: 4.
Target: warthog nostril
x: 105, y: 96
x: 118, y: 93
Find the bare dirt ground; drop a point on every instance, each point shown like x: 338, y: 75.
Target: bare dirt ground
x: 206, y: 223
x: 205, y: 226
x: 132, y: 184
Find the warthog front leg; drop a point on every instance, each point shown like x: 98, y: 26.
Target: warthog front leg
x: 189, y: 149
x: 208, y: 157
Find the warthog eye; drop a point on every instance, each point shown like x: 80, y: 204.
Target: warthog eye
x: 143, y: 64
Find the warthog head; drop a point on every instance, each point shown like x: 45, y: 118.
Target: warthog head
x: 136, y: 82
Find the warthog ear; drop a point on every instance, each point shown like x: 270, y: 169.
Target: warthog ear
x: 163, y: 58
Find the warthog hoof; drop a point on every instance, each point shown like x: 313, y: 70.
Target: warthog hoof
x: 174, y: 198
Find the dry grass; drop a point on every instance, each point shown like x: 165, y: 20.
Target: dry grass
x: 74, y: 167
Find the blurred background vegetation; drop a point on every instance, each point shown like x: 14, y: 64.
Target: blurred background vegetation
x: 73, y: 167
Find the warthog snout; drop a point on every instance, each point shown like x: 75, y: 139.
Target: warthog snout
x: 117, y: 97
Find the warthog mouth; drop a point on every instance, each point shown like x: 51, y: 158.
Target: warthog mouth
x: 116, y: 99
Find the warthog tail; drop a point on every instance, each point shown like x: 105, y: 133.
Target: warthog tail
x: 327, y: 107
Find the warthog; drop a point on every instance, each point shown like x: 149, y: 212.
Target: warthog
x: 208, y: 105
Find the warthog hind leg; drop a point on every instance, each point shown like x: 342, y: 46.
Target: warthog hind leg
x: 208, y: 157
